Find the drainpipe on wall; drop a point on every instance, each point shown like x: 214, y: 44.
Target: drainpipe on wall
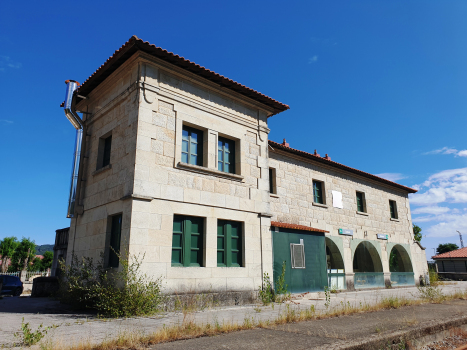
x: 77, y: 123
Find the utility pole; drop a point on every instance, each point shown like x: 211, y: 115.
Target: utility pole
x: 462, y: 242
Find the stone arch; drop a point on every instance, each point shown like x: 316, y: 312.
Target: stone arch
x: 335, y: 265
x: 366, y: 258
x: 367, y: 266
x: 333, y: 256
x: 399, y: 260
x: 400, y: 266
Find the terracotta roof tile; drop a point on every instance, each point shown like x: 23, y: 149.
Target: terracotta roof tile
x: 134, y: 44
x: 296, y: 227
x: 459, y: 253
x: 328, y: 161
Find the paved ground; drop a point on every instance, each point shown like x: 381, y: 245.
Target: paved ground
x: 328, y: 333
x: 75, y: 328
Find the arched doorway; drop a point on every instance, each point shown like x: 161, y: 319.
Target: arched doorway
x: 400, y: 267
x: 335, y: 266
x: 367, y: 266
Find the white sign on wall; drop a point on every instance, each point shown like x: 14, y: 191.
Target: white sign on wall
x: 337, y: 200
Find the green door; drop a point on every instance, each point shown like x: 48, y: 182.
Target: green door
x: 307, y: 273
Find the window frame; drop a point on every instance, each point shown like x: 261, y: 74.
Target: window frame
x: 186, y: 241
x: 363, y: 201
x: 272, y: 181
x: 393, y: 209
x: 322, y: 194
x: 104, y: 151
x: 114, y: 242
x: 199, y: 142
x: 226, y: 227
x: 232, y: 145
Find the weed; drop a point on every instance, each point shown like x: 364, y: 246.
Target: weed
x: 29, y: 337
x: 431, y: 293
x: 327, y: 293
x: 267, y: 293
x: 257, y: 309
x: 113, y: 292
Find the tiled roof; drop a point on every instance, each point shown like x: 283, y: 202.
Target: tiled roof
x: 296, y: 227
x: 459, y: 253
x: 329, y: 162
x: 134, y: 44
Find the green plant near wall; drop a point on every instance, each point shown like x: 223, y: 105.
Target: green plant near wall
x: 266, y: 291
x: 281, y: 285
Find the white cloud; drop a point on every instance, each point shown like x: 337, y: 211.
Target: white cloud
x: 5, y: 121
x: 391, y: 176
x: 446, y: 186
x: 313, y: 59
x: 6, y: 62
x: 448, y: 150
x: 449, y: 226
x: 431, y: 210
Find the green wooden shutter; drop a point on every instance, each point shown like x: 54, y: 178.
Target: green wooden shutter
x: 187, y: 241
x: 229, y: 243
x: 360, y: 206
x: 317, y: 192
x: 177, y: 242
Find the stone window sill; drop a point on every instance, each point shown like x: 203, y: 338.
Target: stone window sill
x: 396, y: 220
x: 208, y: 171
x: 362, y: 213
x: 101, y: 170
x: 273, y: 195
x: 320, y: 205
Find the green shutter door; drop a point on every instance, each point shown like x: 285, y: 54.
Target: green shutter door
x: 314, y: 276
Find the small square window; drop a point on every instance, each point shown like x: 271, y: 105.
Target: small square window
x: 226, y: 155
x: 187, y: 241
x: 229, y: 243
x: 192, y: 146
x: 393, y: 209
x: 318, y: 192
x: 361, y: 202
x: 272, y: 181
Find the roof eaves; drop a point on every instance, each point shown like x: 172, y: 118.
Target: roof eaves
x: 134, y: 44
x: 297, y: 227
x: 339, y: 165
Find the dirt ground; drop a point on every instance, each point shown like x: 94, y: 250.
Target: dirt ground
x: 456, y: 340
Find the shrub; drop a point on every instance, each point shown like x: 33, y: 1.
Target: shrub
x: 29, y: 337
x: 112, y: 292
x: 267, y: 293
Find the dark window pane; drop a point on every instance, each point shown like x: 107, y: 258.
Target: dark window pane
x: 177, y: 241
x: 107, y: 148
x: 220, y: 258
x: 176, y: 256
x: 195, y: 241
x: 115, y: 237
x: 220, y: 242
x: 195, y: 257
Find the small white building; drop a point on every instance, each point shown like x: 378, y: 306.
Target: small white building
x: 175, y: 163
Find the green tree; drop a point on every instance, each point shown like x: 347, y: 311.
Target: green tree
x: 447, y: 247
x: 47, y: 261
x: 36, y: 265
x: 24, y: 254
x: 417, y: 233
x: 7, y: 248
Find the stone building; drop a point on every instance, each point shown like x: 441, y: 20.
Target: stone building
x: 175, y: 163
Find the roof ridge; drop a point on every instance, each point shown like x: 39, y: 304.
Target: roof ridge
x: 340, y: 165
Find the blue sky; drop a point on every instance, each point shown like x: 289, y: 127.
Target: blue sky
x: 378, y: 85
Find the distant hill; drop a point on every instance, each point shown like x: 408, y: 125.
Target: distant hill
x: 41, y: 249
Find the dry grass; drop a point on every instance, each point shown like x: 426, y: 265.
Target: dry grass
x: 188, y: 329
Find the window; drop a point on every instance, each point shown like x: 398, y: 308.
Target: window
x: 318, y: 192
x: 226, y: 155
x: 187, y: 241
x: 272, y: 181
x: 192, y: 146
x: 393, y: 209
x: 229, y: 243
x: 104, y: 150
x: 297, y: 252
x: 361, y: 204
x: 115, y: 237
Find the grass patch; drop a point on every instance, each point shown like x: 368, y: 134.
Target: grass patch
x: 189, y: 329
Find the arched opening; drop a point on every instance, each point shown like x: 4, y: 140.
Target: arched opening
x: 400, y: 267
x: 335, y: 266
x: 367, y: 266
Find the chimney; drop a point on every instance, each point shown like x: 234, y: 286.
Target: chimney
x: 316, y: 154
x: 284, y: 143
x: 327, y: 157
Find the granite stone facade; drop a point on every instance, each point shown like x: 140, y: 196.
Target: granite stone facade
x: 144, y: 105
